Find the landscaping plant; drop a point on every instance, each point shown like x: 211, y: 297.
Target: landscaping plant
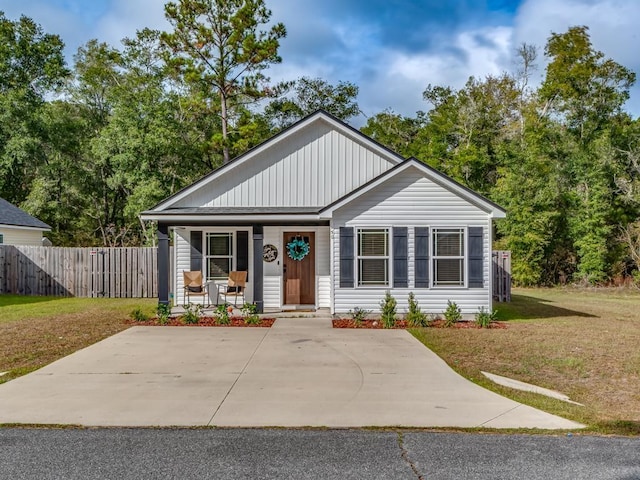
x: 452, y: 314
x: 222, y: 312
x: 250, y: 313
x: 358, y: 315
x: 138, y: 315
x: 484, y: 317
x: 388, y: 310
x: 163, y: 312
x: 192, y: 314
x: 415, y: 316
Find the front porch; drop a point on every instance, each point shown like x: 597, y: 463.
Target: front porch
x: 277, y: 281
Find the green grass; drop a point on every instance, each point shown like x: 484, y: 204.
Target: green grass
x: 581, y: 342
x: 20, y: 307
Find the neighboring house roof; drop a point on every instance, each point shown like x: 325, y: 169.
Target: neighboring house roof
x: 187, y: 205
x: 11, y: 215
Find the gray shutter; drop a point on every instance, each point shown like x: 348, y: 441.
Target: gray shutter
x: 196, y: 250
x: 475, y: 257
x: 346, y: 257
x: 400, y: 254
x: 422, y: 257
x: 242, y: 254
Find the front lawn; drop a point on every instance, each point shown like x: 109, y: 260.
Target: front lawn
x: 35, y: 331
x: 584, y: 343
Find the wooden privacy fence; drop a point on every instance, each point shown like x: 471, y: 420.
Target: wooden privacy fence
x: 79, y: 272
x: 501, y: 275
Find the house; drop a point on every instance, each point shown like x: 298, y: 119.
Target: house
x: 321, y: 216
x: 17, y: 227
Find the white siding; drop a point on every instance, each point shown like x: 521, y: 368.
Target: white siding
x: 411, y: 200
x: 21, y: 236
x: 312, y: 168
x: 273, y: 270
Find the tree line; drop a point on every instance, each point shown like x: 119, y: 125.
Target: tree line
x: 87, y: 147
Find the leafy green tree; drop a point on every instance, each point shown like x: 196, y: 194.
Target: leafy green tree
x: 218, y: 47
x: 397, y: 132
x: 31, y: 67
x: 311, y: 94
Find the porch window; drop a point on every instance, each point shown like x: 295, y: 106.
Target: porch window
x: 373, y: 257
x: 448, y: 257
x: 219, y: 255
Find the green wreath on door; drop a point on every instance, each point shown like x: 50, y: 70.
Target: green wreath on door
x: 297, y: 249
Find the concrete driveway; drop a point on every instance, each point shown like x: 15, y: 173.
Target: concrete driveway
x: 301, y: 372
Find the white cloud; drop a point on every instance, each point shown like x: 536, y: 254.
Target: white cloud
x: 125, y: 17
x: 403, y: 77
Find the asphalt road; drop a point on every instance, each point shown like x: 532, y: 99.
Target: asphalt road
x: 310, y: 454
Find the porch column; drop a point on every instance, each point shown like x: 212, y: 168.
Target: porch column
x: 163, y: 264
x: 258, y: 275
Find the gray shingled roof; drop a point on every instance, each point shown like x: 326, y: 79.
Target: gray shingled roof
x: 12, y: 215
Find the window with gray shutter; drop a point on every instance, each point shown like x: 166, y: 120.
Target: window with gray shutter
x: 373, y: 257
x: 448, y: 257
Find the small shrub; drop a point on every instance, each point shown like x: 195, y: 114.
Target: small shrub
x: 358, y: 315
x: 192, y: 314
x: 250, y: 314
x: 222, y: 312
x: 415, y: 316
x: 388, y: 310
x: 485, y: 317
x: 138, y: 315
x: 452, y: 314
x: 163, y: 311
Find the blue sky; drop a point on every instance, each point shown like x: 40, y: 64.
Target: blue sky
x: 391, y: 49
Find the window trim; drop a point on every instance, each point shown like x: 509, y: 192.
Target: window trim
x: 434, y: 257
x: 388, y: 257
x: 206, y: 256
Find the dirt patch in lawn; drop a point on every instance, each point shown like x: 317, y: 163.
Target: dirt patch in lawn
x: 206, y: 322
x: 402, y: 324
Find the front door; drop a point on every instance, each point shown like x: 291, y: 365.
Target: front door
x: 299, y: 268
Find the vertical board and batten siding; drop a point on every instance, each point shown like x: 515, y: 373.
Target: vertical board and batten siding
x: 128, y: 272
x: 313, y: 168
x: 184, y: 253
x: 411, y: 200
x: 21, y: 236
x: 273, y: 270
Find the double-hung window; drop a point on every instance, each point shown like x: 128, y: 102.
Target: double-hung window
x: 448, y: 257
x: 219, y: 255
x: 373, y: 257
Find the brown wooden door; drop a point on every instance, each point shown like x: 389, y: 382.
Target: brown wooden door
x: 299, y: 275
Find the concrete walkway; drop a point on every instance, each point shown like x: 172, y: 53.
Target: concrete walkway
x: 301, y: 372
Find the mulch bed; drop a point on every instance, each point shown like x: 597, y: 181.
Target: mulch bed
x: 402, y: 324
x: 205, y: 322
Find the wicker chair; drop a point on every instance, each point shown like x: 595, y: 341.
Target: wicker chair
x: 194, y: 286
x: 233, y: 288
